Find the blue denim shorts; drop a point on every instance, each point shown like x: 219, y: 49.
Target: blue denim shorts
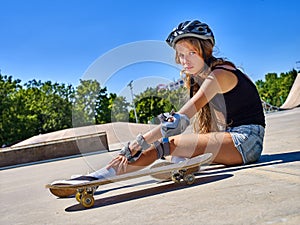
x: 248, y: 139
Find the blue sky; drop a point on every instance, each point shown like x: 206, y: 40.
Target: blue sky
x: 62, y: 41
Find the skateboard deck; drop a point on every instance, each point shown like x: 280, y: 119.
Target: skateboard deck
x: 84, y: 193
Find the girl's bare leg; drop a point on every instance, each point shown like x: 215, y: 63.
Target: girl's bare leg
x: 147, y: 158
x: 220, y: 144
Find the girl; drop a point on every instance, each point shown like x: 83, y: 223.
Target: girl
x: 227, y: 111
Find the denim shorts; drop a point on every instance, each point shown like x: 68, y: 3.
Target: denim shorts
x: 248, y: 139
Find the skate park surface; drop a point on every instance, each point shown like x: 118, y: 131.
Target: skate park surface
x: 266, y: 192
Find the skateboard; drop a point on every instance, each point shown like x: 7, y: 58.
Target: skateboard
x: 84, y: 193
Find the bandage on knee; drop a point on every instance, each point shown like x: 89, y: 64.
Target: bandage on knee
x: 162, y: 148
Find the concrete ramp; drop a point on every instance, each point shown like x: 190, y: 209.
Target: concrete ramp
x: 293, y: 99
x: 118, y: 134
x: 72, y: 141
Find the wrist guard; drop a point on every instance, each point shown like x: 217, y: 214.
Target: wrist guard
x: 126, y: 151
x: 141, y: 141
x: 173, y: 123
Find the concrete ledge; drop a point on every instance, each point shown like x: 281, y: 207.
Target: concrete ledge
x: 53, y: 149
x: 72, y: 141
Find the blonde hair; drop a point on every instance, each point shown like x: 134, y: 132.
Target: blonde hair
x: 205, y: 119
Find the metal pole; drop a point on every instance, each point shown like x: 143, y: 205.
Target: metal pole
x: 130, y: 86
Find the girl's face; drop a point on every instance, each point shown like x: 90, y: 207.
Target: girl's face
x: 189, y: 58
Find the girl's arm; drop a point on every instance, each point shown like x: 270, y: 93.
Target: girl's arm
x: 209, y: 88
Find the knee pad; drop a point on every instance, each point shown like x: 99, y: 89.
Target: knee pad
x: 162, y: 148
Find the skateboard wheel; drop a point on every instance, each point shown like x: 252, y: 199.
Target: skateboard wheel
x: 87, y: 201
x: 78, y: 196
x: 189, y: 179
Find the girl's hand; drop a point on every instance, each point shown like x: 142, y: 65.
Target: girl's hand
x: 119, y: 164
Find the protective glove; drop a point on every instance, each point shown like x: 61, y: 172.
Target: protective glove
x: 173, y: 123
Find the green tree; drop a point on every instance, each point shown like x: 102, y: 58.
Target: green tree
x: 111, y: 108
x: 103, y: 109
x: 119, y: 109
x: 32, y: 109
x: 275, y: 89
x: 152, y: 102
x: 86, y: 95
x: 9, y: 129
x: 48, y: 106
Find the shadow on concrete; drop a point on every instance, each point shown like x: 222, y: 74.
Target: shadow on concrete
x: 265, y: 160
x: 282, y: 157
x: 148, y: 192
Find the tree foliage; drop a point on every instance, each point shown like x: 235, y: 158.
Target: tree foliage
x: 33, y: 108
x: 85, y: 102
x: 9, y: 106
x: 118, y: 108
x: 153, y: 101
x: 111, y: 108
x: 275, y: 89
x: 38, y: 107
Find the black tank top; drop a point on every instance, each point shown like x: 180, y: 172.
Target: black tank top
x: 242, y: 104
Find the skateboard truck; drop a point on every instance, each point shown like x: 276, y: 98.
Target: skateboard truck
x: 183, y: 174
